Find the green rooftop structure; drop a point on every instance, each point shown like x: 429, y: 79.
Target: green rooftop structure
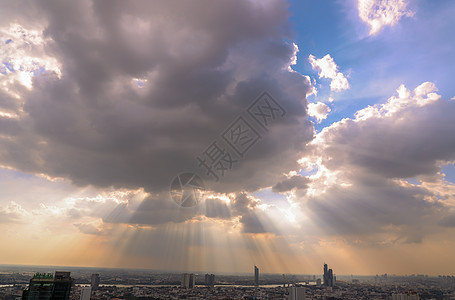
x: 47, y: 286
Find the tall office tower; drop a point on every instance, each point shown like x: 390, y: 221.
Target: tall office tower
x: 49, y: 287
x: 209, y: 280
x: 62, y: 285
x: 325, y: 276
x: 188, y: 281
x: 330, y: 278
x: 256, y: 276
x: 40, y: 287
x: 86, y: 291
x: 95, y: 282
x: 296, y: 293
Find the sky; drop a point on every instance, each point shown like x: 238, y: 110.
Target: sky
x: 308, y: 132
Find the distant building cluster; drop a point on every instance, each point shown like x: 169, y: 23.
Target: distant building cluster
x: 124, y: 285
x: 407, y: 296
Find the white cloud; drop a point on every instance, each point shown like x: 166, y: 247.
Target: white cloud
x: 380, y: 13
x: 293, y: 59
x: 327, y: 68
x: 22, y: 54
x: 13, y: 213
x: 363, y: 164
x: 318, y: 110
x: 423, y: 95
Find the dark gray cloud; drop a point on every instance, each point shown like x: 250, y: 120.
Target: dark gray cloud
x: 448, y: 220
x: 372, y: 205
x: 88, y: 229
x: 293, y: 182
x: 410, y: 143
x: 151, y: 211
x: 252, y: 224
x: 216, y: 208
x: 202, y: 63
x: 242, y: 204
x: 158, y: 211
x: 253, y: 219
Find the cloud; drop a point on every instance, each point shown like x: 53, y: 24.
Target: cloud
x: 327, y: 68
x: 360, y: 189
x: 372, y: 206
x: 23, y: 54
x: 90, y: 121
x: 216, y: 208
x: 293, y: 182
x: 252, y: 218
x: 101, y: 205
x: 448, y: 221
x: 380, y: 13
x: 422, y: 95
x: 13, y: 213
x: 362, y: 167
x: 390, y: 138
x: 318, y: 110
x: 252, y: 224
x: 88, y: 228
x: 151, y: 211
x: 239, y: 210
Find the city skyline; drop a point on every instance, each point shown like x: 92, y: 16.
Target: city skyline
x: 218, y: 136
x: 141, y: 284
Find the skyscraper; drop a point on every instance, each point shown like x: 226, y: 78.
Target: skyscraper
x: 209, y: 280
x: 328, y: 276
x: 40, y: 287
x: 325, y: 276
x: 49, y: 287
x: 296, y: 293
x: 86, y: 292
x: 188, y: 281
x: 95, y: 281
x: 62, y: 285
x: 256, y: 276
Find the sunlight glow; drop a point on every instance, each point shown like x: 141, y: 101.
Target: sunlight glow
x: 23, y: 57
